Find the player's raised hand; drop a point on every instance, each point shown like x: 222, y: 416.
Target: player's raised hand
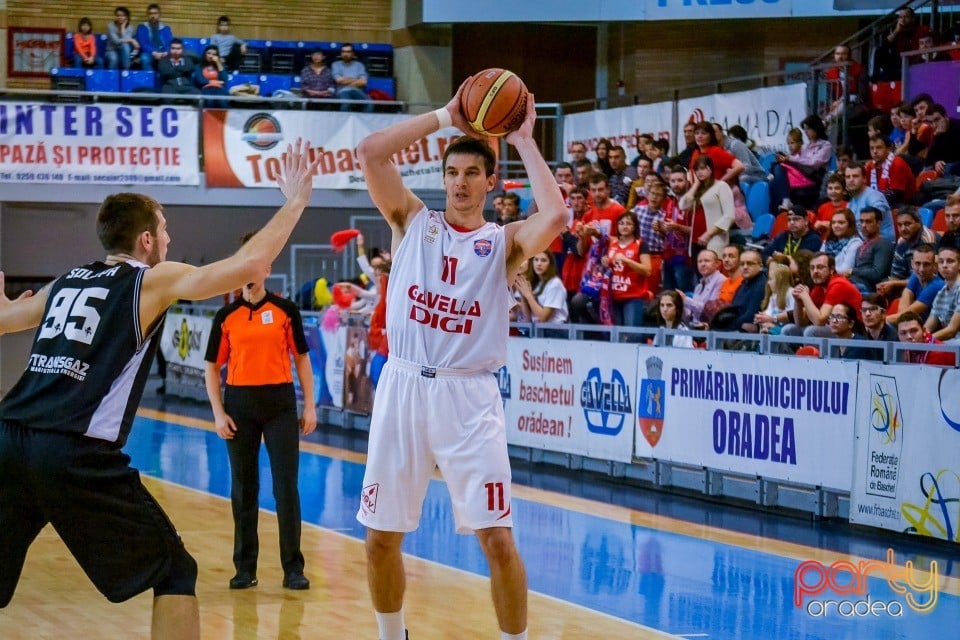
x: 456, y: 115
x: 297, y: 171
x: 525, y: 131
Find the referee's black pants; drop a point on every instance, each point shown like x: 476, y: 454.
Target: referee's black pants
x: 268, y: 412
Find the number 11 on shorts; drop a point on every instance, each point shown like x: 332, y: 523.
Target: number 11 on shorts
x: 495, y: 500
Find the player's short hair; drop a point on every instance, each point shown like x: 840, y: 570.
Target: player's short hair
x: 472, y: 147
x: 123, y: 217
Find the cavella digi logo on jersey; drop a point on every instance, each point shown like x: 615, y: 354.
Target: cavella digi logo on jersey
x: 503, y: 381
x: 439, y: 311
x: 650, y: 406
x: 606, y: 403
x: 187, y: 340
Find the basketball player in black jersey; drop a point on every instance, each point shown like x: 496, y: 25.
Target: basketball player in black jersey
x: 63, y: 424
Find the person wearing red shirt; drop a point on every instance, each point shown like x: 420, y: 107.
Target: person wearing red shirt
x: 910, y: 329
x: 836, y: 201
x: 889, y: 173
x: 630, y: 266
x: 85, y: 47
x: 726, y: 167
x: 812, y: 307
x: 574, y: 260
x: 605, y: 212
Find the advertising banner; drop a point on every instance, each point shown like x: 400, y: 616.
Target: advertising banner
x: 620, y: 126
x: 907, y: 472
x: 243, y: 148
x: 744, y: 414
x: 571, y: 397
x: 767, y: 114
x: 183, y: 344
x: 98, y: 144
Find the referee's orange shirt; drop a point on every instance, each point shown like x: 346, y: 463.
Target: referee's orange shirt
x: 256, y: 341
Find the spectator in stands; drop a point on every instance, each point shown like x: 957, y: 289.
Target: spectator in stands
x: 669, y: 314
x: 899, y: 133
x: 85, y: 47
x: 798, y: 175
x: 651, y: 217
x: 629, y: 263
x: 836, y: 192
x: 923, y: 285
x: 582, y: 170
x: 725, y: 166
x: 638, y: 188
x: 685, y: 157
x: 905, y: 34
x: 753, y: 171
x: 874, y: 256
x: 928, y: 39
x: 944, y: 319
x: 620, y: 179
x: 316, y: 79
x: 509, y: 208
x: 602, y: 163
x: 574, y: 261
x: 912, y: 235
x: 909, y: 329
x: 944, y: 151
x: 211, y: 77
x: 749, y: 296
x: 154, y: 39
x: 563, y: 174
x: 798, y: 234
x: 843, y: 242
x: 778, y: 301
x: 875, y: 322
x: 951, y: 215
x: 800, y: 267
x: 842, y: 78
x: 542, y: 292
x: 497, y: 202
x: 176, y: 71
x: 813, y: 306
x: 351, y: 77
x: 845, y: 324
x: 605, y: 212
x: 730, y: 260
x: 122, y: 45
x: 706, y: 293
x: 863, y: 196
x: 879, y: 126
x: 230, y: 48
x: 577, y: 151
x: 677, y: 271
x: 711, y: 202
x: 889, y: 173
x: 918, y: 135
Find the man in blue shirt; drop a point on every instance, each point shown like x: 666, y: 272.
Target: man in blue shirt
x: 922, y: 287
x: 862, y: 195
x: 154, y: 39
x: 351, y: 77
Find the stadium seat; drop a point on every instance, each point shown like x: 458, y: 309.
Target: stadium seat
x: 809, y: 350
x: 926, y: 216
x: 138, y: 80
x: 386, y: 85
x: 767, y: 160
x: 103, y: 80
x: 68, y: 79
x: 762, y: 225
x: 269, y: 83
x: 886, y: 95
x: 939, y: 223
x: 758, y: 199
x: 779, y: 224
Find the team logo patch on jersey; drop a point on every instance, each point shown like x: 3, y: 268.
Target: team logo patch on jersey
x: 431, y: 232
x: 368, y: 498
x: 482, y: 247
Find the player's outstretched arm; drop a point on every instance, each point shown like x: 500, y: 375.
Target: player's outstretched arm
x: 528, y: 237
x: 171, y: 281
x: 394, y: 200
x: 23, y: 313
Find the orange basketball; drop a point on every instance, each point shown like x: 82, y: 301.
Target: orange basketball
x: 494, y: 102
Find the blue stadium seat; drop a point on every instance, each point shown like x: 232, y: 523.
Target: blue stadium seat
x: 387, y: 85
x: 926, y: 216
x: 295, y: 84
x: 103, y: 80
x: 67, y: 79
x: 767, y: 160
x: 138, y: 80
x: 271, y: 82
x: 193, y: 44
x: 762, y: 225
x: 758, y: 200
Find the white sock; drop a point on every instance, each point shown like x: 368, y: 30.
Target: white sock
x: 513, y: 636
x: 391, y: 625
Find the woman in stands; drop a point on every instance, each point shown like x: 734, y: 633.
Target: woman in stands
x: 122, y: 45
x: 630, y: 264
x: 917, y: 138
x: 211, y: 78
x: 809, y: 161
x: 725, y: 165
x: 542, y: 291
x: 85, y: 47
x: 602, y: 164
x: 778, y: 301
x: 845, y: 324
x: 843, y: 241
x: 669, y: 312
x: 711, y: 202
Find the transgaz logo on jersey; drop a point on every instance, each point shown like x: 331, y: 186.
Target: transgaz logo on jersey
x: 606, y: 403
x: 186, y: 340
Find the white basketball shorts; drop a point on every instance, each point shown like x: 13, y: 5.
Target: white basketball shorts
x: 425, y: 418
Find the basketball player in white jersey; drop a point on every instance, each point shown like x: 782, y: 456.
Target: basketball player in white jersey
x: 64, y: 423
x: 438, y: 403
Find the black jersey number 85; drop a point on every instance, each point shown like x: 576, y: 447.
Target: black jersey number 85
x: 72, y: 314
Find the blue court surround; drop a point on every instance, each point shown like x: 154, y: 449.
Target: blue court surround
x: 679, y: 584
